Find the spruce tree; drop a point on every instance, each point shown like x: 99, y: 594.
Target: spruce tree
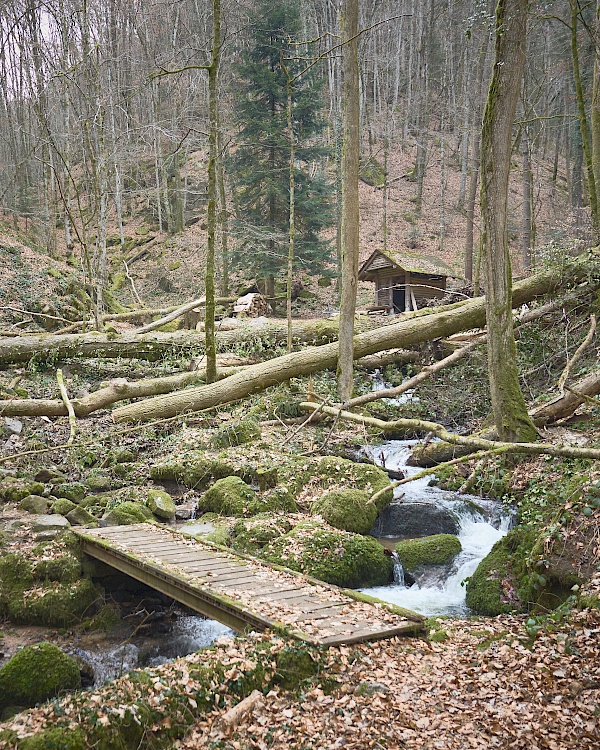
x: 260, y: 164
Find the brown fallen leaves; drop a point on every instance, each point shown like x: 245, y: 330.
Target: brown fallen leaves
x: 487, y: 686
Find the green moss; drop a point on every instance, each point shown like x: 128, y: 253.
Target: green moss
x: 229, y: 496
x: 74, y: 491
x: 337, y: 557
x: 56, y: 605
x: 236, y: 433
x: 278, y: 500
x: 62, y: 506
x: 161, y: 504
x: 250, y: 536
x: 37, y: 673
x: 500, y: 584
x: 330, y: 472
x: 127, y: 513
x: 15, y: 570
x: 349, y: 510
x: 12, y: 489
x: 34, y: 504
x: 66, y: 569
x: 56, y: 738
x: 372, y: 172
x: 99, y: 481
x: 219, y: 536
x: 295, y: 665
x: 439, y: 549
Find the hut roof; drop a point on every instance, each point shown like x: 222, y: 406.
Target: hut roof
x: 412, y: 262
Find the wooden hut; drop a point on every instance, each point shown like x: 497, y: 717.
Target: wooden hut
x: 404, y: 281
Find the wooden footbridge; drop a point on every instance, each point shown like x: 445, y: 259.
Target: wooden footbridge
x: 243, y: 592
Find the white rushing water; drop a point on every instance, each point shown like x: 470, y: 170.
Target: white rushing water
x: 481, y: 524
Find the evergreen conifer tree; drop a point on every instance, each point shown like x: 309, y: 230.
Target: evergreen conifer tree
x: 260, y: 164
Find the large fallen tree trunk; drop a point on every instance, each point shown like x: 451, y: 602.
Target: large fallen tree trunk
x: 430, y: 323
x: 154, y: 345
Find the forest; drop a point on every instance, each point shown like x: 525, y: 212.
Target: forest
x: 299, y: 383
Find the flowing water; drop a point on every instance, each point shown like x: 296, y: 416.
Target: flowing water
x: 188, y: 634
x: 481, y: 524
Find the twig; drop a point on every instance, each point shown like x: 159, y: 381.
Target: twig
x: 582, y: 347
x: 132, y: 282
x: 306, y: 421
x: 68, y: 404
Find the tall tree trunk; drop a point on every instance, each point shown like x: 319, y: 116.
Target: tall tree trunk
x: 510, y: 414
x: 213, y: 114
x: 526, y: 239
x: 350, y: 206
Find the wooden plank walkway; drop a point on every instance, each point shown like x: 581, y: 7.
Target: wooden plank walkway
x: 242, y: 592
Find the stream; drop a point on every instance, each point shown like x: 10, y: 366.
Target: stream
x: 481, y: 523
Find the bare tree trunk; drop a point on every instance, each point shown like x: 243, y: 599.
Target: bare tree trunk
x: 510, y: 413
x: 350, y: 206
x: 526, y: 238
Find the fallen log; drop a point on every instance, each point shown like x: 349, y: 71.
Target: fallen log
x: 116, y: 390
x: 154, y: 345
x: 426, y: 324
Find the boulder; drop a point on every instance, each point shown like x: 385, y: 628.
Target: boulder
x: 62, y: 506
x: 251, y: 535
x: 440, y: 549
x: 12, y: 489
x: 349, y: 510
x: 43, y: 523
x: 161, y: 504
x: 126, y: 514
x: 79, y: 516
x: 229, y: 496
x: 37, y: 673
x: 236, y: 433
x: 331, y: 555
x: 53, y: 604
x: 34, y: 504
x: 412, y: 520
x: 73, y: 491
x: 50, y: 475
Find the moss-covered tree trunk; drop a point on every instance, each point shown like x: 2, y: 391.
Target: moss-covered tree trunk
x: 596, y: 117
x: 510, y: 413
x: 213, y: 103
x: 350, y: 218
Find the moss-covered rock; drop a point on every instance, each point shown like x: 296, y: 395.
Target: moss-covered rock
x: 74, y: 491
x: 66, y: 569
x: 95, y: 501
x: 236, y: 433
x: 500, y: 583
x: 229, y: 496
x: 15, y: 571
x: 54, y: 604
x: 349, y: 510
x: 220, y: 535
x: 309, y: 476
x: 62, y: 506
x: 56, y: 738
x: 81, y: 517
x: 99, y: 481
x: 13, y: 489
x: 37, y: 673
x: 250, y: 536
x: 161, y: 504
x: 34, y: 504
x: 439, y: 549
x: 334, y: 556
x: 127, y: 513
x: 277, y: 500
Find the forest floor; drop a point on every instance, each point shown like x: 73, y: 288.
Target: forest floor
x: 479, y: 683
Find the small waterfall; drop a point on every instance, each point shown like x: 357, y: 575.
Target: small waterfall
x: 481, y: 524
x: 398, y: 570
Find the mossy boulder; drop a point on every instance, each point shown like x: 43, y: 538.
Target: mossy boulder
x: 501, y: 584
x: 277, y: 500
x: 98, y: 481
x: 220, y: 535
x: 65, y: 569
x: 36, y: 674
x: 62, y: 506
x: 349, y: 510
x: 229, y: 496
x: 127, y: 513
x: 34, y: 504
x: 439, y: 549
x: 13, y: 489
x: 161, y: 504
x: 250, y: 536
x: 95, y: 501
x: 333, y: 556
x: 53, y: 604
x: 73, y: 491
x: 56, y: 738
x: 309, y: 476
x: 236, y: 433
x: 15, y: 571
x: 81, y: 517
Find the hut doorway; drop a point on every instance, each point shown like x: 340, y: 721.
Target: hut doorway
x: 399, y: 300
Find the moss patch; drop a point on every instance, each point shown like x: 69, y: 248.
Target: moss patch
x: 333, y: 556
x: 35, y: 674
x: 229, y: 496
x: 236, y: 433
x: 439, y: 549
x: 127, y: 513
x: 349, y: 510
